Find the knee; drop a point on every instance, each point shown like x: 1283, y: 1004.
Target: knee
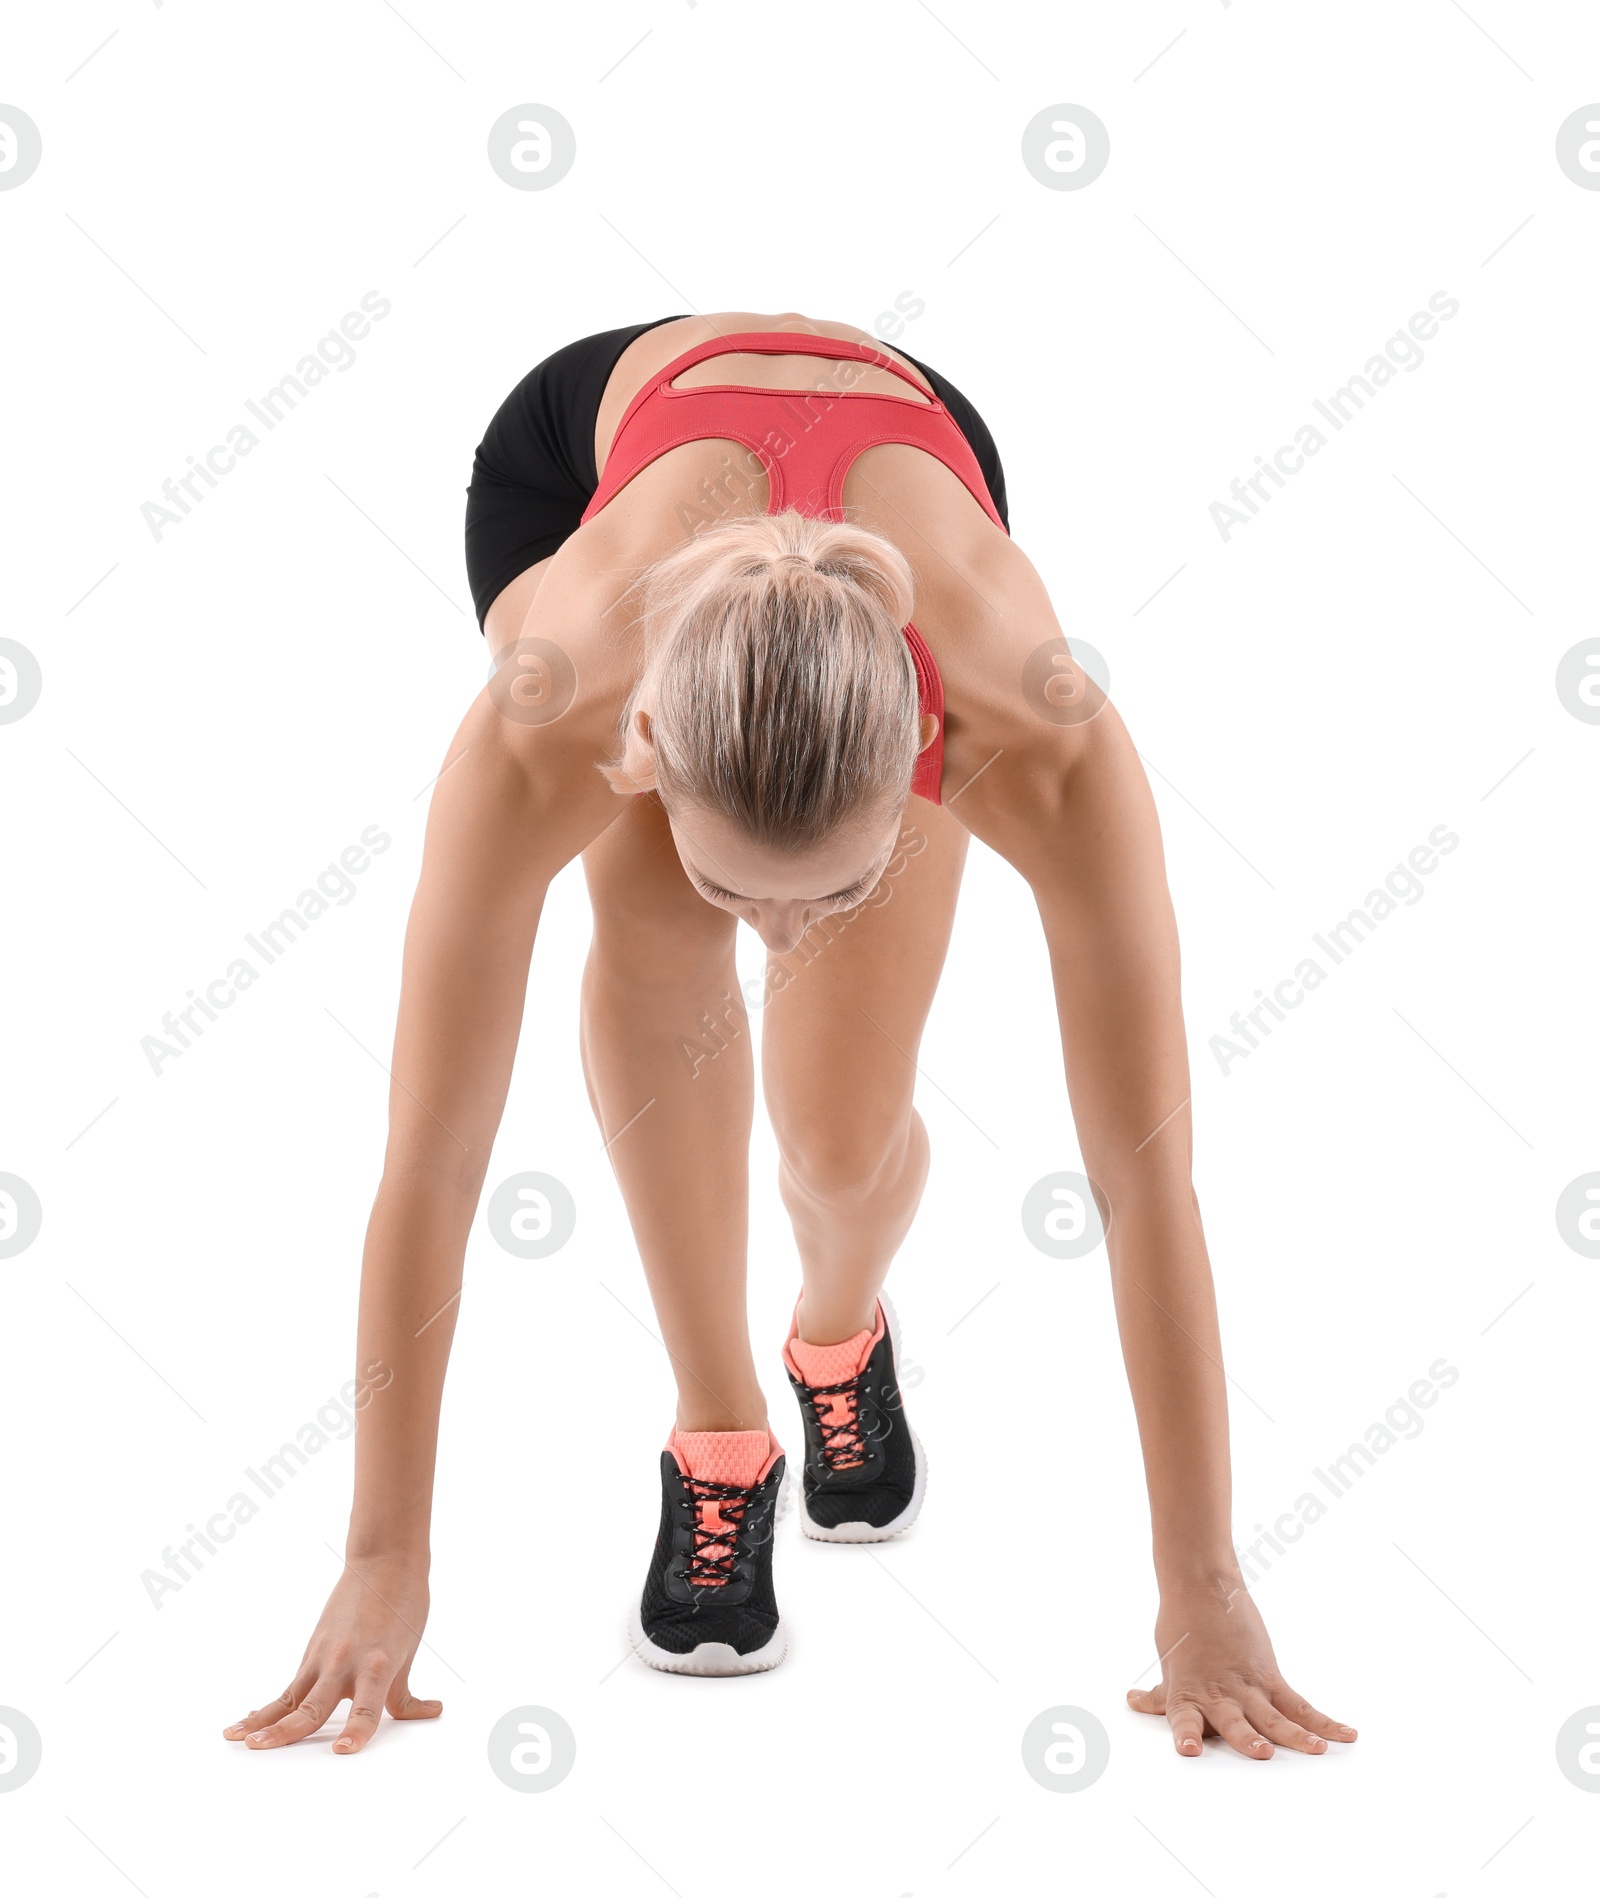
x: 840, y: 1159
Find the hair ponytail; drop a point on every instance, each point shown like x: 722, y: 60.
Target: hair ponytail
x: 783, y: 693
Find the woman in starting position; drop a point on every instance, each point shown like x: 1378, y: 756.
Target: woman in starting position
x: 694, y: 547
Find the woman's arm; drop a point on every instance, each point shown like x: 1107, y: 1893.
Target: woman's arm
x: 1095, y: 865
x: 1069, y: 807
x: 512, y: 805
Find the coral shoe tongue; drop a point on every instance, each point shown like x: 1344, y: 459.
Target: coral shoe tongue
x: 732, y: 1459
x: 736, y: 1457
x: 822, y: 1366
x: 832, y: 1363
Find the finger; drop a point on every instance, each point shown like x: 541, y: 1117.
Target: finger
x: 366, y: 1708
x: 404, y: 1705
x: 1299, y: 1708
x: 1148, y: 1699
x: 258, y: 1717
x: 286, y: 1702
x: 1280, y: 1729
x: 308, y: 1716
x: 1229, y: 1720
x: 264, y: 1716
x: 1188, y: 1726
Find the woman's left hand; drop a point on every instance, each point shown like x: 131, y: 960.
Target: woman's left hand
x: 1220, y: 1676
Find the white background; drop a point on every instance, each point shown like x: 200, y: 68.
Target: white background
x: 229, y: 707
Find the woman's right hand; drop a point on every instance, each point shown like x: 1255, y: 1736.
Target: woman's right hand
x: 362, y: 1652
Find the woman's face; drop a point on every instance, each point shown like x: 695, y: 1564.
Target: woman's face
x: 781, y: 897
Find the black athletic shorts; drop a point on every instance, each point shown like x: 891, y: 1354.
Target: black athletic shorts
x: 534, y: 473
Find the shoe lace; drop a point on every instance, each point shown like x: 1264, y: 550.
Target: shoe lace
x: 840, y: 1422
x: 719, y: 1512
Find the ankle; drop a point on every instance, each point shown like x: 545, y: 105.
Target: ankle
x: 834, y: 1320
x: 705, y: 1413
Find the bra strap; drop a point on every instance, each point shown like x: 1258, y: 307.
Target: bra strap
x: 788, y: 343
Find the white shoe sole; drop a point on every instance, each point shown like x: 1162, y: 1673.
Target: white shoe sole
x: 710, y: 1657
x: 867, y: 1531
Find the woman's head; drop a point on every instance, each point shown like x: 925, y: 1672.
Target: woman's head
x: 776, y: 714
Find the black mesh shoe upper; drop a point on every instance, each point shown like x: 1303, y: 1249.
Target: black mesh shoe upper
x: 865, y: 1473
x: 708, y: 1583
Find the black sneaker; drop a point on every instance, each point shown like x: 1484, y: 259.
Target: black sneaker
x: 865, y: 1471
x: 708, y: 1605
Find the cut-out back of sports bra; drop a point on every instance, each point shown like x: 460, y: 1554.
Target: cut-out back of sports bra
x: 806, y: 440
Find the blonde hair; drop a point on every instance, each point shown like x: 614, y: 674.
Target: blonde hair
x: 784, y: 694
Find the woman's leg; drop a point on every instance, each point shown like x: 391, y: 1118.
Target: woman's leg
x: 663, y: 1023
x: 839, y: 1041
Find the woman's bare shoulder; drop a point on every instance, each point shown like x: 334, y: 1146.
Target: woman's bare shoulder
x: 1022, y: 716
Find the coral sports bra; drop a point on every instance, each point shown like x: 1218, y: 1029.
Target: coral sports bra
x: 806, y: 440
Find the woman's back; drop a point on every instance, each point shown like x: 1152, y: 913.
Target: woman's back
x: 967, y: 577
